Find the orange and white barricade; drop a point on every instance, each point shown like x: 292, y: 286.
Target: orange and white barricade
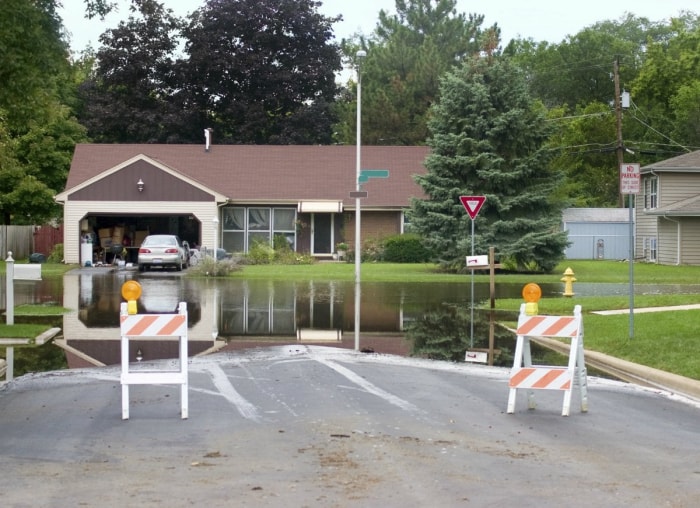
x: 158, y: 326
x: 526, y: 376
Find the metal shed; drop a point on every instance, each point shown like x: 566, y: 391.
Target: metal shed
x: 597, y: 233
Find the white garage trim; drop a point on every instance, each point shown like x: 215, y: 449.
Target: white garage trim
x: 74, y: 211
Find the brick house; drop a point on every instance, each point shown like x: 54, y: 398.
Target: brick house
x: 234, y: 195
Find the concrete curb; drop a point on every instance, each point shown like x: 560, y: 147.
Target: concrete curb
x: 631, y: 372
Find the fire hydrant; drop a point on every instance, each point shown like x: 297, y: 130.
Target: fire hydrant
x: 568, y: 279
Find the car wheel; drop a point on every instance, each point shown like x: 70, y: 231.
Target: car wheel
x: 178, y: 266
x: 142, y: 268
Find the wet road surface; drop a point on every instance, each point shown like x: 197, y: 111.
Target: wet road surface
x: 313, y: 426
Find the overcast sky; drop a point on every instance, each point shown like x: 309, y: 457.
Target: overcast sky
x: 550, y: 20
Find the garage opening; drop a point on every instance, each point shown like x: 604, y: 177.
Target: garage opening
x: 112, y: 234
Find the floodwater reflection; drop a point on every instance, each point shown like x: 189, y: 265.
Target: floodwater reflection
x: 233, y: 314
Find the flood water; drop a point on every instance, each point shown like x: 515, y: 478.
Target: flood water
x: 226, y: 314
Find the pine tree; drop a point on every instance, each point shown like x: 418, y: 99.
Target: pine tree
x: 487, y: 138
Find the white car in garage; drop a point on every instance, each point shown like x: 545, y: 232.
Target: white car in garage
x: 163, y: 251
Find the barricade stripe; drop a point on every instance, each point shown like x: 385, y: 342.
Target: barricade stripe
x: 142, y: 324
x: 559, y: 325
x: 531, y: 323
x: 173, y: 325
x: 519, y: 377
x: 548, y: 378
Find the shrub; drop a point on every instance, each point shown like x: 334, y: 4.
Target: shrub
x: 208, y: 267
x: 407, y: 248
x: 56, y: 255
x: 260, y: 253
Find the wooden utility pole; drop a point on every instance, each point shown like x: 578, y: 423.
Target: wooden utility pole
x: 618, y: 116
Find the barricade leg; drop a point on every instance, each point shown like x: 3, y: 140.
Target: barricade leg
x: 582, y: 377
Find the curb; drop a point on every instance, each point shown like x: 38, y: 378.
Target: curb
x: 631, y: 372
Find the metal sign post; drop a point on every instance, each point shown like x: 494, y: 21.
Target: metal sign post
x: 472, y: 204
x: 630, y: 184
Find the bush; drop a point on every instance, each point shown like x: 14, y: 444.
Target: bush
x: 407, y: 248
x: 56, y: 255
x: 261, y: 253
x: 208, y: 267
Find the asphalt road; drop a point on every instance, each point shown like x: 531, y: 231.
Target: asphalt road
x: 296, y: 426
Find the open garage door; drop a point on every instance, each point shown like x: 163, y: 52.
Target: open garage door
x: 110, y: 233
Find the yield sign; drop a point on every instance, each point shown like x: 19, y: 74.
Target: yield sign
x: 472, y: 204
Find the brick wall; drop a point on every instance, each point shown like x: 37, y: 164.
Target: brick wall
x: 374, y: 226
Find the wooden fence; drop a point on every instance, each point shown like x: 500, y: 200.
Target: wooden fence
x: 17, y: 239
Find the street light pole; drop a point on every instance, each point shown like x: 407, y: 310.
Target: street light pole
x: 358, y: 239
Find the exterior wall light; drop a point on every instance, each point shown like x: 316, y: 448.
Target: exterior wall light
x: 140, y: 185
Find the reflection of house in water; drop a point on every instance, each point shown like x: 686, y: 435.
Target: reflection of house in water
x: 255, y: 313
x: 245, y: 313
x: 92, y: 334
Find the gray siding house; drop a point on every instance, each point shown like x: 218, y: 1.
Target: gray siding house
x: 597, y: 233
x: 668, y: 211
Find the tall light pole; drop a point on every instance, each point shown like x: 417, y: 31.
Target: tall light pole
x: 358, y: 240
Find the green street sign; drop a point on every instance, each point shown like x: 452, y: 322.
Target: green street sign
x: 366, y: 174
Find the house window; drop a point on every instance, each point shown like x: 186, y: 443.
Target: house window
x: 405, y: 222
x: 651, y: 190
x: 242, y: 227
x: 650, y: 248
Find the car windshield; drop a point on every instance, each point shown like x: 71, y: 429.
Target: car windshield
x: 160, y: 240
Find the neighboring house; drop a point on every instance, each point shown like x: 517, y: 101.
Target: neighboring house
x: 668, y: 211
x: 597, y: 233
x: 232, y: 196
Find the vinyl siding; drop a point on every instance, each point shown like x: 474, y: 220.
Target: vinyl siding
x: 674, y: 187
x: 667, y: 244
x: 690, y: 241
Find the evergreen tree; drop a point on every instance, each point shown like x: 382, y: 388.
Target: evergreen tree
x: 488, y: 138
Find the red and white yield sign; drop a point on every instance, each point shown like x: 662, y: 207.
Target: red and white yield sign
x: 472, y: 204
x: 630, y: 179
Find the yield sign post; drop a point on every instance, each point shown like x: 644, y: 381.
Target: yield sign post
x: 472, y: 204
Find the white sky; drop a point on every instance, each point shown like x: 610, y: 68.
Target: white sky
x: 549, y: 20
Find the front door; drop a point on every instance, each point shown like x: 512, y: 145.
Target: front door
x: 322, y: 233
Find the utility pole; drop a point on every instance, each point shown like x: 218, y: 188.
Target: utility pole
x: 620, y: 161
x: 618, y: 116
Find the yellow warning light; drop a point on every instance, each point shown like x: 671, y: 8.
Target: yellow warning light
x: 131, y: 290
x: 532, y: 293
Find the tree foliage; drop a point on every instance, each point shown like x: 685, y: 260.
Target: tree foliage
x: 668, y: 87
x: 406, y: 55
x: 254, y: 72
x: 37, y: 129
x: 488, y: 138
x: 260, y: 72
x: 33, y: 59
x: 128, y: 98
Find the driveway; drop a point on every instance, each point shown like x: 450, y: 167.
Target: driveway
x: 294, y: 426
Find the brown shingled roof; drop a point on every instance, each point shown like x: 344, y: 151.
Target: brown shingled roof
x: 271, y: 173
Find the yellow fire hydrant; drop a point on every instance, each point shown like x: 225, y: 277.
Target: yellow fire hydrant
x: 568, y: 279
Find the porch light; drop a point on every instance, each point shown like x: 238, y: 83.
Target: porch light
x: 140, y: 185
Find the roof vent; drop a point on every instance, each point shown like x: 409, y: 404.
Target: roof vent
x: 207, y: 139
